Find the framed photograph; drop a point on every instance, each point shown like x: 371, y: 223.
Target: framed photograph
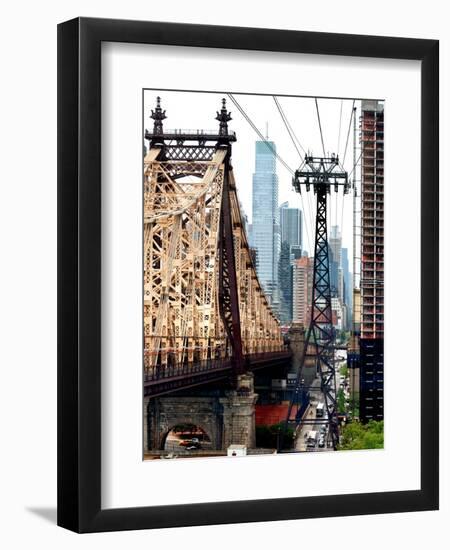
x: 247, y: 275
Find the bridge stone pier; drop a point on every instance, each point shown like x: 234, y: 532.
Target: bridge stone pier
x: 227, y: 420
x: 239, y: 414
x: 297, y: 344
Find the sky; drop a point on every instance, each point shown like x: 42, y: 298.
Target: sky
x: 197, y: 110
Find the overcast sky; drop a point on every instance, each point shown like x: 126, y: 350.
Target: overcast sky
x: 197, y: 110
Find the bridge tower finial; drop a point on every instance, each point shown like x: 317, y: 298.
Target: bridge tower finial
x: 158, y: 115
x: 223, y: 117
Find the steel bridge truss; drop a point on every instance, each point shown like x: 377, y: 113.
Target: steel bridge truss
x: 202, y: 299
x: 322, y: 174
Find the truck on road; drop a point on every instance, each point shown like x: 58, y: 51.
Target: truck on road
x: 319, y: 410
x: 312, y: 439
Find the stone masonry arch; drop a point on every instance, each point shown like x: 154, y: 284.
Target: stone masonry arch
x: 228, y: 419
x: 184, y: 422
x: 163, y: 413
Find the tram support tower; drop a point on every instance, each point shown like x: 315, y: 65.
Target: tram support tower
x: 322, y: 174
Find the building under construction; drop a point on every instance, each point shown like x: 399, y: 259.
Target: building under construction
x: 372, y: 261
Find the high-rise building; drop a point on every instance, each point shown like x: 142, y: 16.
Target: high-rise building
x: 302, y: 284
x: 296, y: 252
x: 334, y: 267
x: 335, y: 247
x: 285, y: 284
x: 335, y: 242
x: 291, y: 248
x: 348, y: 294
x: 337, y: 313
x: 372, y: 260
x: 341, y: 284
x: 265, y: 217
x: 290, y: 225
x: 353, y: 358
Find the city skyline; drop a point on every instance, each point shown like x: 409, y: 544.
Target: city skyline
x: 264, y: 220
x: 276, y: 237
x: 233, y: 290
x: 263, y: 112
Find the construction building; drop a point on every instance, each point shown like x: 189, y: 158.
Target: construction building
x: 371, y: 350
x: 353, y: 353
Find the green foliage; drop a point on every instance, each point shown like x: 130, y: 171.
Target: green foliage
x: 343, y: 337
x: 362, y: 436
x: 354, y: 407
x: 268, y: 436
x: 344, y: 370
x: 341, y: 401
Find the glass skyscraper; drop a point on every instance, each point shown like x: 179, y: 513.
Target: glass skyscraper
x: 335, y: 248
x: 291, y: 248
x: 335, y: 241
x: 348, y: 294
x: 291, y: 225
x: 265, y: 217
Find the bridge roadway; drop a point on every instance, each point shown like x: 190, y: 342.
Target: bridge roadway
x: 160, y: 382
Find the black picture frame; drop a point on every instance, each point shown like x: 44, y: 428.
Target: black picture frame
x: 79, y: 274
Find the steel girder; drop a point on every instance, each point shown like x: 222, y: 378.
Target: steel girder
x: 184, y: 241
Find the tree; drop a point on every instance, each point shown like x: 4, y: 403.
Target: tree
x: 341, y: 401
x: 269, y: 436
x: 354, y: 407
x: 362, y: 436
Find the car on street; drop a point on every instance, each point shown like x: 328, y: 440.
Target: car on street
x: 319, y: 410
x: 193, y: 447
x: 194, y: 442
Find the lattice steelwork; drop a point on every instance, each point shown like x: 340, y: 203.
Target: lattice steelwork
x: 322, y: 174
x: 186, y: 268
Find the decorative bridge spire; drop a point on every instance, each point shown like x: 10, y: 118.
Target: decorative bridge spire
x: 158, y: 115
x: 223, y: 117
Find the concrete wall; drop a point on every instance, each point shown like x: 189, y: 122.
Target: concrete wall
x: 297, y: 343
